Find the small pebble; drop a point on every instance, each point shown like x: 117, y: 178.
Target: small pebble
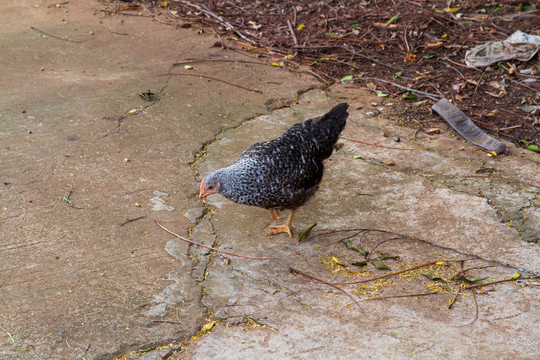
x: 397, y: 139
x: 389, y: 163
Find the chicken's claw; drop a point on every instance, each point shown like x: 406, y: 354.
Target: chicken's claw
x: 280, y: 229
x: 286, y: 228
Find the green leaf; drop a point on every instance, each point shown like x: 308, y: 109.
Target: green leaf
x: 393, y: 19
x: 470, y: 280
x: 400, y: 73
x: 355, y: 25
x: 330, y: 34
x: 188, y: 67
x: 410, y: 97
x: 380, y: 265
x: 430, y: 275
x: 346, y: 79
x: 351, y: 246
x: 384, y: 257
x: 382, y: 94
x: 360, y: 263
x: 533, y: 148
x: 530, y: 146
x: 304, y: 233
x: 357, y: 157
x: 430, y: 56
x: 516, y: 275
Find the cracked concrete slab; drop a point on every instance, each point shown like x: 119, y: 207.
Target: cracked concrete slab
x: 432, y: 195
x: 79, y: 280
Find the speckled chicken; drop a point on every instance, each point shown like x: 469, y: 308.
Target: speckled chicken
x: 282, y: 173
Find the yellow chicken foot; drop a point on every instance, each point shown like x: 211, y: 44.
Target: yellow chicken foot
x: 274, y: 214
x: 286, y: 228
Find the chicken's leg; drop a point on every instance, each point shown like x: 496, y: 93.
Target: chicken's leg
x: 286, y: 228
x: 274, y: 214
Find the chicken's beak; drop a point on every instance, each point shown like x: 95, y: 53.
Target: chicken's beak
x: 202, y: 192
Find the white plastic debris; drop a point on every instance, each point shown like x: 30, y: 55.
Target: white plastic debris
x: 519, y: 46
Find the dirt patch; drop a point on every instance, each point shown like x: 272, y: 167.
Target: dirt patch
x: 416, y: 44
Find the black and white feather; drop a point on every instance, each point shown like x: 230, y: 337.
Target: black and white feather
x: 282, y: 173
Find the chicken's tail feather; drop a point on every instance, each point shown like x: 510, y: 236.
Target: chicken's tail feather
x: 326, y: 129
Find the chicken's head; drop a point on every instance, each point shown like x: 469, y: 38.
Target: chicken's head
x: 208, y: 188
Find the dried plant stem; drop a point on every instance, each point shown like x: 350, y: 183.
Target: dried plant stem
x: 307, y: 276
x: 209, y: 247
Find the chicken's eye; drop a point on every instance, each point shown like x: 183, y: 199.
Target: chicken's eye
x: 211, y: 187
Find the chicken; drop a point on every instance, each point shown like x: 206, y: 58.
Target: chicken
x: 282, y: 173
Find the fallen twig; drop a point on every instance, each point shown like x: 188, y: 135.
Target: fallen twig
x: 402, y: 296
x: 8, y: 334
x: 406, y: 237
x: 216, y: 79
x: 193, y: 61
x: 452, y: 302
x: 131, y: 220
x: 153, y: 15
x: 209, y: 247
x: 54, y: 36
x: 35, y: 353
x: 66, y: 198
x: 398, y: 86
x: 389, y: 275
x: 387, y: 147
x: 351, y: 50
x: 475, y: 308
x: 208, y: 12
x: 499, y: 281
x: 294, y: 271
x: 291, y: 30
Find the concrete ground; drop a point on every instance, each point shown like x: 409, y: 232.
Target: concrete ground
x: 83, y: 152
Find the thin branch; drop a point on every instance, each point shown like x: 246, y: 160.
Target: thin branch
x: 192, y: 61
x: 223, y: 81
x: 454, y: 299
x: 35, y: 353
x: 294, y: 271
x: 351, y: 50
x: 291, y: 30
x: 497, y: 282
x: 387, y: 147
x: 8, y: 334
x: 153, y: 15
x: 207, y: 11
x: 402, y: 296
x: 209, y: 247
x: 389, y: 275
x: 131, y: 220
x: 405, y: 237
x: 398, y: 86
x: 54, y: 36
x: 475, y: 308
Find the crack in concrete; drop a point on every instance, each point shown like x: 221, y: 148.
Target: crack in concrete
x: 509, y: 218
